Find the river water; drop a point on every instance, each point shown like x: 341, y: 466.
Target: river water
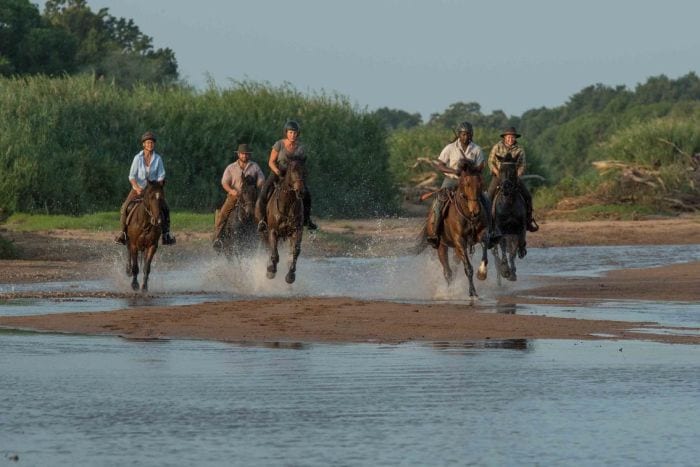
x: 83, y: 400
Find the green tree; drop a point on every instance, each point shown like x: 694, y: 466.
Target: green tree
x: 395, y: 119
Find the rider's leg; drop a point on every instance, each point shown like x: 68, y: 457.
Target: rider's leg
x: 492, y: 237
x: 493, y: 186
x: 261, y: 203
x: 121, y: 237
x: 168, y: 239
x: 224, y: 213
x: 307, y: 210
x: 434, y: 224
x: 531, y: 225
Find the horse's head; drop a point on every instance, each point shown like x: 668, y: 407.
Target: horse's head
x: 469, y: 178
x: 508, y: 173
x: 294, y: 177
x: 248, y: 195
x: 152, y: 197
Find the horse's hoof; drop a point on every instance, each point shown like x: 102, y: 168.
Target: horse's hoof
x: 134, y: 286
x: 144, y: 289
x: 512, y: 277
x: 290, y: 278
x: 481, y: 275
x: 271, y: 274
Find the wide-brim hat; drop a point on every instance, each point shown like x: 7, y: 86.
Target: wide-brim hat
x: 510, y: 131
x: 244, y: 148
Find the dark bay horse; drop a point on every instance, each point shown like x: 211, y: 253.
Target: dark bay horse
x: 143, y: 232
x: 285, y: 217
x: 464, y: 226
x: 510, y: 218
x: 240, y: 236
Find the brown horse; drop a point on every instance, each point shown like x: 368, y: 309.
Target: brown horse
x: 464, y: 225
x: 143, y: 232
x: 285, y: 217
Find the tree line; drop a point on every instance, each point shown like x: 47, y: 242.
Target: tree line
x: 69, y: 38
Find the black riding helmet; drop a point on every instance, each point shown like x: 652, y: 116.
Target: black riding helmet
x: 291, y: 125
x: 465, y: 126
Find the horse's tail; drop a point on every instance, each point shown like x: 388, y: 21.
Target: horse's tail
x: 421, y: 241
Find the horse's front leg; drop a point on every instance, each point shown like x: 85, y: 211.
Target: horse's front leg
x: 483, y: 267
x: 462, y: 251
x: 150, y: 253
x: 134, y: 261
x: 295, y: 244
x: 445, y: 261
x: 274, y: 255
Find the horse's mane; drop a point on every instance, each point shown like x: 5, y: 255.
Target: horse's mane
x: 468, y: 166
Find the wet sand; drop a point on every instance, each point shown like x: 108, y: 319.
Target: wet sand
x: 347, y: 320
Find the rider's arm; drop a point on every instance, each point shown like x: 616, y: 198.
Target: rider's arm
x: 272, y: 163
x: 521, y: 163
x: 227, y: 182
x: 443, y: 158
x: 493, y: 162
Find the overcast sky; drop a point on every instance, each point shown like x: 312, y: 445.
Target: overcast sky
x: 423, y: 55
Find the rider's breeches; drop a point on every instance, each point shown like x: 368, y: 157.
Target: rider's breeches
x: 261, y: 203
x: 307, y: 204
x: 225, y: 211
x: 122, y: 212
x: 165, y: 215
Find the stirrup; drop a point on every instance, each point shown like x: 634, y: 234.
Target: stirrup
x: 218, y: 245
x: 532, y: 226
x: 120, y: 239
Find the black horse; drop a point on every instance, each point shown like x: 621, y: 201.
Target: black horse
x: 510, y: 219
x: 284, y: 217
x: 239, y: 237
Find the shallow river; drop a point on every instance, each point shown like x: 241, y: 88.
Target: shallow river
x: 81, y: 400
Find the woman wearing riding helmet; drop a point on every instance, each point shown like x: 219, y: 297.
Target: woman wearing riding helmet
x: 282, y: 150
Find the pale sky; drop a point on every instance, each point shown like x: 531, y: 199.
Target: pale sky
x: 423, y: 55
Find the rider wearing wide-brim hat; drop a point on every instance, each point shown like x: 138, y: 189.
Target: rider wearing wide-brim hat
x: 462, y: 148
x: 287, y: 147
x: 509, y: 144
x: 232, y: 183
x: 146, y: 166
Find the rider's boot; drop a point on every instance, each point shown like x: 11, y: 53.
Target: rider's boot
x: 121, y: 237
x: 307, y: 216
x: 168, y: 238
x: 432, y: 228
x: 531, y: 224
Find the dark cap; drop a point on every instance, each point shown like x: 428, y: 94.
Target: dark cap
x: 510, y: 131
x: 244, y: 148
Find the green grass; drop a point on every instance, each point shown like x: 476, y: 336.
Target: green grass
x: 101, y: 221
x: 612, y: 211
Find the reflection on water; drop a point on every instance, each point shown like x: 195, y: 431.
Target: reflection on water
x: 71, y: 400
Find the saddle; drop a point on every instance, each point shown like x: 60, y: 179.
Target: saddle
x: 130, y: 208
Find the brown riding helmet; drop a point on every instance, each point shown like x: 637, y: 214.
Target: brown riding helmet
x: 148, y: 135
x: 244, y: 148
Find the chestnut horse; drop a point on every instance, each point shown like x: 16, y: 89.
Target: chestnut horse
x: 285, y: 217
x: 240, y: 236
x: 464, y: 225
x: 510, y: 218
x: 143, y: 232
